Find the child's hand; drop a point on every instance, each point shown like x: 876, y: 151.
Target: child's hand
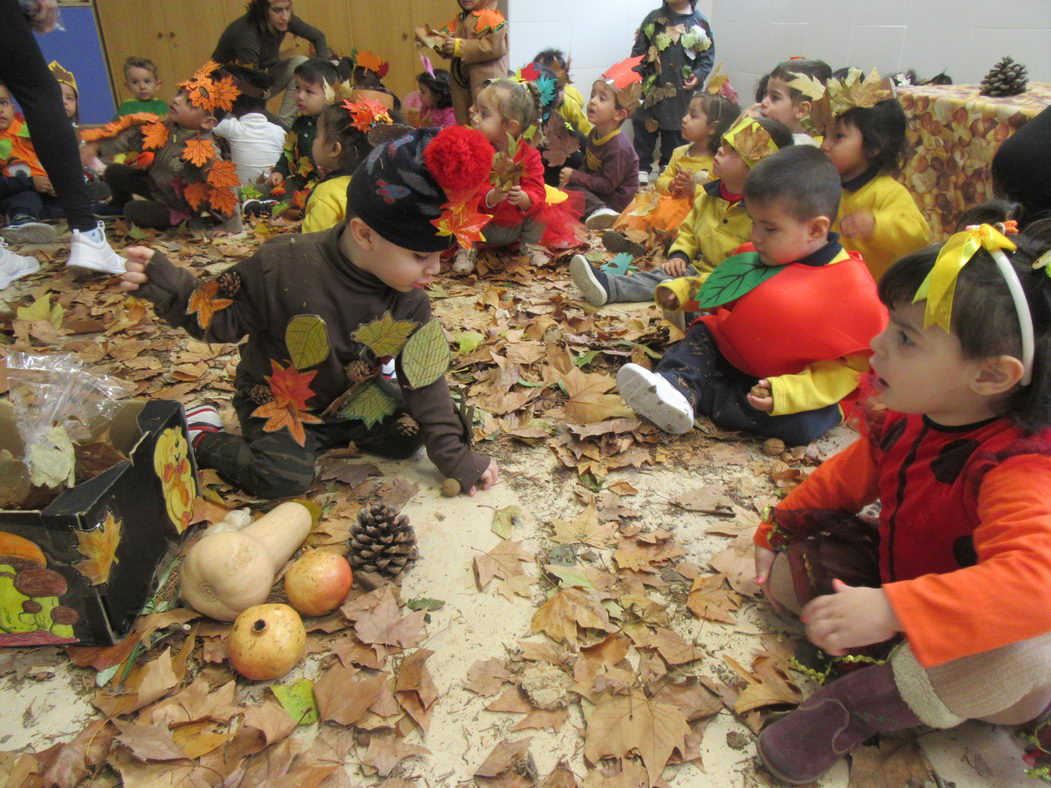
x: 488, y: 479
x: 676, y: 266
x: 764, y: 562
x: 667, y: 299
x: 682, y: 184
x: 761, y: 397
x: 563, y: 177
x: 135, y: 270
x: 691, y: 82
x: 494, y: 197
x: 858, y: 225
x: 43, y: 185
x: 275, y: 179
x: 519, y: 198
x: 449, y: 46
x: 850, y: 618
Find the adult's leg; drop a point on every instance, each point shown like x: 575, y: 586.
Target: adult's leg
x: 645, y: 142
x: 282, y: 78
x: 24, y: 71
x: 670, y: 140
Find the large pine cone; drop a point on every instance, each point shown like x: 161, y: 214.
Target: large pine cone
x: 229, y: 284
x: 382, y: 541
x: 1006, y: 78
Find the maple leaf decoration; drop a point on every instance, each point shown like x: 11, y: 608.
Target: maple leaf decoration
x: 198, y: 151
x: 366, y: 113
x: 623, y: 73
x: 561, y: 144
x: 288, y: 409
x: 223, y: 175
x: 751, y: 141
x: 223, y: 201
x: 856, y: 90
x: 506, y: 172
x: 370, y: 61
x: 529, y: 73
x: 196, y: 193
x: 463, y: 221
x: 154, y: 135
x: 115, y: 127
x: 210, y: 94
x: 205, y: 302
x: 99, y: 548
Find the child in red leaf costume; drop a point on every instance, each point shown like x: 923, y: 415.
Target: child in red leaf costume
x: 324, y: 312
x: 954, y: 579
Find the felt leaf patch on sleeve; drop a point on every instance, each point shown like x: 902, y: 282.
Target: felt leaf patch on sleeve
x: 288, y: 408
x: 307, y: 340
x: 426, y: 355
x: 370, y: 404
x: 205, y: 302
x: 386, y: 336
x: 99, y: 548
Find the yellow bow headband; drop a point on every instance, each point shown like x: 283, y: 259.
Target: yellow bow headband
x: 940, y: 283
x: 750, y: 140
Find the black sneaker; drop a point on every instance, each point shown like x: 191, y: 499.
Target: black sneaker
x: 107, y: 210
x: 592, y: 283
x: 617, y: 243
x: 258, y: 207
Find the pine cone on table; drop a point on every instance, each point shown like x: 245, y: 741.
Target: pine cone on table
x: 1006, y: 78
x: 382, y: 541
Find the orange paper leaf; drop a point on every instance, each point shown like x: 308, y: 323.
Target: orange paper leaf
x: 99, y: 548
x: 286, y: 417
x: 488, y: 19
x: 223, y: 174
x: 154, y: 135
x: 223, y: 201
x: 196, y: 193
x: 204, y: 302
x: 369, y: 60
x: 198, y: 151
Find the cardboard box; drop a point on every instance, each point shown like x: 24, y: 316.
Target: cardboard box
x: 80, y: 569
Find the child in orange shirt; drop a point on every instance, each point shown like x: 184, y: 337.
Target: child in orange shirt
x: 954, y: 580
x: 26, y: 193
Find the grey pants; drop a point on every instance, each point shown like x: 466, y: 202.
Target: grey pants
x: 528, y: 232
x: 282, y: 77
x: 639, y: 286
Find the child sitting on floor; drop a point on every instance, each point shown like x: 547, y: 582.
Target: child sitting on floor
x: 430, y: 106
x: 609, y: 177
x: 791, y: 318
x: 360, y: 288
x: 67, y: 83
x: 791, y: 104
x: 26, y: 193
x: 571, y: 101
x: 954, y: 579
x: 340, y: 145
x: 503, y: 112
x: 140, y: 78
x: 255, y: 143
x: 708, y: 117
x: 173, y: 162
x: 716, y: 225
x: 866, y: 142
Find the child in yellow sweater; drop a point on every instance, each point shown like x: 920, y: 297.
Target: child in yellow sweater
x: 877, y: 215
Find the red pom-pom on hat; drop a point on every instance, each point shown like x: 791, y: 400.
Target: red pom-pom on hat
x: 460, y: 159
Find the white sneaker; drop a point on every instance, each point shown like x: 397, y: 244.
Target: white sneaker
x: 14, y: 266
x: 602, y: 219
x: 644, y: 178
x: 91, y: 251
x: 202, y: 420
x: 588, y: 280
x: 655, y: 399
x: 29, y: 233
x: 464, y: 261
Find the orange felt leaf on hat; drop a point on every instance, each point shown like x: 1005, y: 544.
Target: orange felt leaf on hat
x: 622, y: 74
x: 204, y: 71
x: 204, y: 302
x: 223, y: 200
x: 198, y: 151
x: 223, y: 175
x: 223, y: 94
x: 154, y: 135
x: 196, y: 193
x: 366, y: 113
x: 369, y: 60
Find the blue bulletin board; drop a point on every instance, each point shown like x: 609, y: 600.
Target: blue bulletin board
x: 79, y: 49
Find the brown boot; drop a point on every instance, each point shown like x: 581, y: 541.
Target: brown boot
x: 804, y: 744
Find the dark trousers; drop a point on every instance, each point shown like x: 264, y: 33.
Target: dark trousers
x: 646, y: 142
x: 717, y: 389
x: 25, y: 72
x: 32, y: 205
x: 124, y: 183
x: 273, y: 465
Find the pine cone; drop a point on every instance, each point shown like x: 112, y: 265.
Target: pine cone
x: 382, y: 541
x: 406, y: 425
x: 358, y: 371
x: 229, y: 284
x: 1006, y: 78
x: 260, y: 394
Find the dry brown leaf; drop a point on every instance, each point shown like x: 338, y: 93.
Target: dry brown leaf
x: 689, y: 696
x: 200, y: 738
x: 148, y: 742
x: 485, y: 677
x: 352, y: 651
x: 148, y: 682
x: 413, y: 676
x: 588, y: 401
x: 386, y: 751
x: 512, y: 701
x: 519, y: 585
x: 710, y: 599
x: 544, y: 651
x: 565, y: 611
x: 385, y: 625
x: 266, y: 724
x: 561, y: 777
x: 503, y: 561
x: 893, y: 762
x: 504, y: 758
x: 622, y: 724
x: 709, y: 499
x: 767, y: 686
x: 66, y: 765
x: 540, y: 718
x: 737, y: 562
x: 585, y: 529
x: 343, y: 699
x: 671, y: 646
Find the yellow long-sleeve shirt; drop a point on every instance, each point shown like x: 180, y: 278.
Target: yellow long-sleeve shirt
x: 712, y: 229
x: 899, y: 226
x: 682, y: 160
x: 572, y: 109
x: 327, y: 205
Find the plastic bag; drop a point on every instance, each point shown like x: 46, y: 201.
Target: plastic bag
x: 42, y: 15
x: 54, y: 394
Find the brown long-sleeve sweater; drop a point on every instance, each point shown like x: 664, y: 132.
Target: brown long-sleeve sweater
x: 308, y: 275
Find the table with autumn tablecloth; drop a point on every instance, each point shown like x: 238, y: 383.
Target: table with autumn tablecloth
x: 951, y: 137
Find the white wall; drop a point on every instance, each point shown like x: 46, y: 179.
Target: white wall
x: 594, y: 33
x: 964, y: 37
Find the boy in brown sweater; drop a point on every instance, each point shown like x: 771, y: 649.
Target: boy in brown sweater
x: 324, y: 312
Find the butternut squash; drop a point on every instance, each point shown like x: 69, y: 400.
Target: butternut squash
x: 226, y: 573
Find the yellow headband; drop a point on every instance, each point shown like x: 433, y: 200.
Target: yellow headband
x: 62, y: 76
x: 857, y: 90
x: 939, y: 285
x: 751, y: 141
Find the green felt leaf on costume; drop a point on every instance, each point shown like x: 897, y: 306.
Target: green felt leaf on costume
x: 468, y: 341
x: 663, y: 41
x: 386, y: 336
x: 371, y: 405
x: 696, y: 40
x: 307, y: 341
x: 619, y: 265
x: 250, y: 192
x: 426, y: 356
x: 298, y: 700
x: 5, y: 148
x: 734, y: 277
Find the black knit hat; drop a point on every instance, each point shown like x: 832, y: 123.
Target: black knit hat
x: 408, y: 188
